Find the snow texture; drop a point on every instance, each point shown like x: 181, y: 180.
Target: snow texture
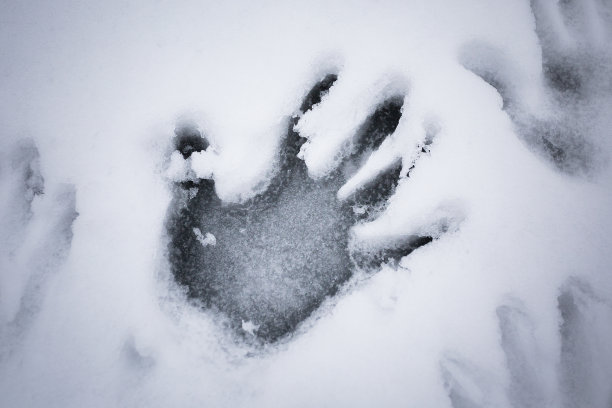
x: 460, y: 259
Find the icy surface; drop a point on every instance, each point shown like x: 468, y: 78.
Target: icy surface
x: 506, y: 122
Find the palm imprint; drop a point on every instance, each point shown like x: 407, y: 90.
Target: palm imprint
x: 266, y: 264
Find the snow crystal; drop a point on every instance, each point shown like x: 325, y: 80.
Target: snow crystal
x: 205, y: 240
x: 249, y: 327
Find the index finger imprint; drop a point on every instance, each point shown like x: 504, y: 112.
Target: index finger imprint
x: 330, y: 126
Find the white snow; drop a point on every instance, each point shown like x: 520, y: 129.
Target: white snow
x: 99, y: 86
x: 250, y: 327
x: 205, y: 240
x: 177, y: 167
x: 203, y: 163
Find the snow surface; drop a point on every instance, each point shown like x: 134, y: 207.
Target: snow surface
x: 511, y: 306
